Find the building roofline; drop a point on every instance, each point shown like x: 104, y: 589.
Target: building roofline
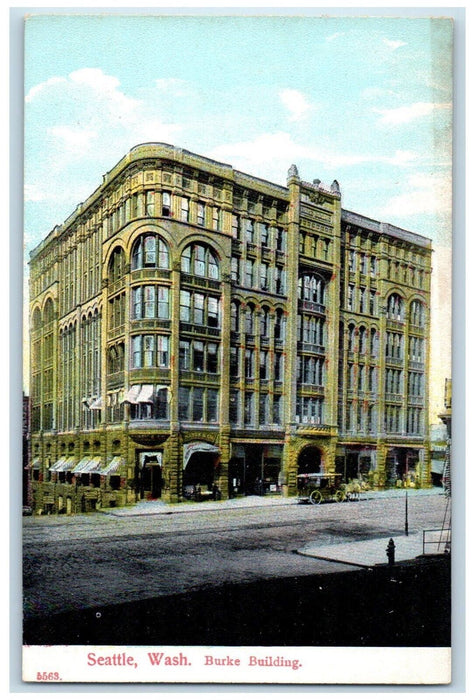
x: 351, y: 217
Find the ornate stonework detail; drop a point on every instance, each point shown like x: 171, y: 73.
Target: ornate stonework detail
x: 292, y: 171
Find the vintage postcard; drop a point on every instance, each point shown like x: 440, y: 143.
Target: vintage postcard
x: 237, y: 364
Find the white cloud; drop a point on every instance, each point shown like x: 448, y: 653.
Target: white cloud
x: 402, y: 158
x: 334, y: 36
x: 394, y: 44
x: 36, y: 90
x: 74, y: 139
x: 274, y: 153
x: 175, y: 86
x: 408, y: 113
x: 91, y: 124
x: 296, y: 103
x: 422, y: 194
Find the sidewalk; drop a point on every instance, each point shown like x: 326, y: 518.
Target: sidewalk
x: 366, y: 553
x: 143, y: 508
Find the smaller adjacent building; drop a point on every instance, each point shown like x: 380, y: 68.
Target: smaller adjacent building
x: 438, y: 452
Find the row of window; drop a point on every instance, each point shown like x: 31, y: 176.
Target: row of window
x: 251, y: 321
x: 251, y: 364
x: 254, y: 410
x: 362, y: 300
x: 358, y: 340
x: 367, y: 264
x: 258, y: 233
x: 263, y: 276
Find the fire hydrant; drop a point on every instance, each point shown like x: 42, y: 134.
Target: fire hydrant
x: 390, y: 549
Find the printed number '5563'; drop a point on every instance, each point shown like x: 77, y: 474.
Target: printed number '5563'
x: 47, y: 676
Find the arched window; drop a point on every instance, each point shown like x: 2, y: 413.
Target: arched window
x: 36, y: 320
x: 416, y: 313
x: 395, y: 308
x: 362, y: 340
x: 374, y: 342
x: 351, y: 338
x: 150, y: 251
x: 200, y: 260
x: 48, y: 313
x: 312, y: 288
x: 279, y: 328
x: 116, y: 264
x: 264, y: 322
x: 249, y: 319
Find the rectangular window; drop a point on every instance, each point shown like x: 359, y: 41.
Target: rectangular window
x: 249, y: 230
x: 166, y: 204
x: 235, y: 270
x: 212, y: 407
x: 263, y: 365
x: 200, y: 214
x: 264, y: 235
x: 263, y: 409
x: 198, y: 356
x: 198, y: 309
x: 264, y: 276
x: 248, y: 408
x: 163, y: 303
x: 216, y: 219
x: 249, y: 364
x: 149, y: 301
x: 185, y: 209
x: 184, y: 403
x: 184, y: 355
x: 249, y: 280
x: 362, y: 301
x: 162, y: 350
x: 234, y: 406
x: 235, y: 226
x: 351, y: 294
x: 277, y: 410
x: 234, y: 362
x: 278, y: 374
x: 212, y: 358
x: 185, y: 306
x: 279, y: 239
x: 137, y: 302
x: 213, y: 312
x: 136, y: 351
x: 150, y: 203
x: 148, y: 350
x: 198, y: 405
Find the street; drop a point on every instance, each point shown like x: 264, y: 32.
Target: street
x: 91, y: 561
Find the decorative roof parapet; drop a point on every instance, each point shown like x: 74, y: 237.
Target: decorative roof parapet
x: 382, y: 227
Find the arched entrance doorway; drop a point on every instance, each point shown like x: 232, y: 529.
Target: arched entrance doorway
x: 200, y: 462
x: 310, y: 460
x: 148, y: 475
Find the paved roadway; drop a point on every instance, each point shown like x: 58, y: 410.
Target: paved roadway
x: 88, y: 561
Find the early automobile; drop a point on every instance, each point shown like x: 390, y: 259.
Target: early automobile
x: 319, y: 486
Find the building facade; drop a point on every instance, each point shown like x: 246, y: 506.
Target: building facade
x: 196, y: 327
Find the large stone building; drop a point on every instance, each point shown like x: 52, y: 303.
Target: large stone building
x: 194, y: 325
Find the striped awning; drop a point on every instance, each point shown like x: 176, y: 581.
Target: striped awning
x: 112, y: 467
x: 88, y: 465
x: 146, y: 394
x: 132, y: 394
x: 64, y: 464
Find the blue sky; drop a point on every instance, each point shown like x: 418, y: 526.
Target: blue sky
x: 364, y: 100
